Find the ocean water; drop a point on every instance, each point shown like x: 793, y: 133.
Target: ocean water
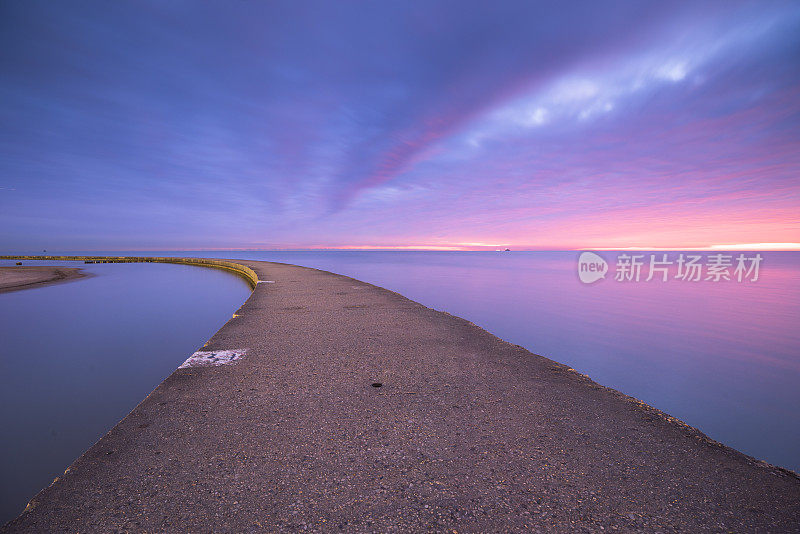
x: 723, y: 356
x: 76, y: 357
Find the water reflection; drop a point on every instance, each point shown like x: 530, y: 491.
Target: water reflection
x: 721, y: 356
x: 76, y: 357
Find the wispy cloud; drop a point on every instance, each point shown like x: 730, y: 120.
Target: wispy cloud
x: 437, y: 123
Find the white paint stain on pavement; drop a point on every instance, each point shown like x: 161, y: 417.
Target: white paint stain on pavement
x: 204, y: 358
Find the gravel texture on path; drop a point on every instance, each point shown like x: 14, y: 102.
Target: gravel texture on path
x: 352, y: 408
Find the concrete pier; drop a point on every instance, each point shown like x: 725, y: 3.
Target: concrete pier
x: 341, y: 406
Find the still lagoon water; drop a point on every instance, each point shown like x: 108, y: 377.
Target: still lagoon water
x: 722, y: 356
x: 76, y: 357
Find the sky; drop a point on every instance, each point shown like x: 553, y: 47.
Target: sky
x: 418, y: 124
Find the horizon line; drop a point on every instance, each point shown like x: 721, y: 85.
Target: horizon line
x: 464, y: 247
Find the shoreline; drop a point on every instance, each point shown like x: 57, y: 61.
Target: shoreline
x: 21, y: 277
x: 466, y: 431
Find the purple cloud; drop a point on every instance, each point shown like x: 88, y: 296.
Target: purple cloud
x: 331, y: 124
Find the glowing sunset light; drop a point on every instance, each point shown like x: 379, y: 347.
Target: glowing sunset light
x: 483, y: 126
x: 759, y: 246
x: 544, y: 255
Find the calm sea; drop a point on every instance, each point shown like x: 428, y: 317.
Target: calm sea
x: 722, y: 356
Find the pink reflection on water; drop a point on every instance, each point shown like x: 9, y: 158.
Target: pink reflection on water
x: 746, y: 321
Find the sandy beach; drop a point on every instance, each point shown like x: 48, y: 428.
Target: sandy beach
x: 329, y: 404
x: 18, y: 277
